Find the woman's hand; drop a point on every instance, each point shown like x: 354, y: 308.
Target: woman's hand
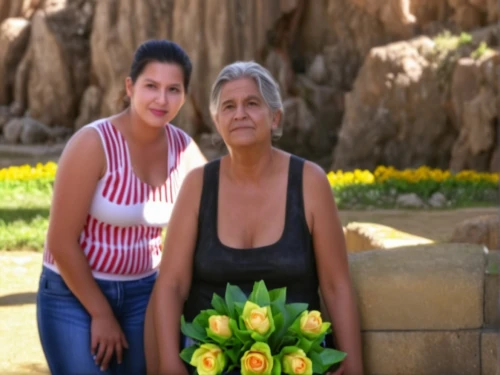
x: 107, y: 338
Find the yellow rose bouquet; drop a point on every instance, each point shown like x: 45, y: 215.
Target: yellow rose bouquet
x: 258, y: 335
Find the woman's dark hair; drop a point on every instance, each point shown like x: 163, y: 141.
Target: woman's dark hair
x: 163, y: 51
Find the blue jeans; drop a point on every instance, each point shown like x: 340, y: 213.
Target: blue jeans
x: 64, y: 325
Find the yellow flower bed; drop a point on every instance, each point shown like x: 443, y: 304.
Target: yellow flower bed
x: 336, y: 178
x: 28, y: 172
x: 382, y: 174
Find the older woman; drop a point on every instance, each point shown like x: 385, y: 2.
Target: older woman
x: 256, y: 213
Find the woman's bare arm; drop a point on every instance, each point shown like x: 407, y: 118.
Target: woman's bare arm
x: 174, y: 280
x: 332, y: 265
x: 79, y: 169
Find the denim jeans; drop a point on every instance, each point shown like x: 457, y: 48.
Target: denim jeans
x: 64, y: 325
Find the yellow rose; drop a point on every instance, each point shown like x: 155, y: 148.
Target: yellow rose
x: 208, y: 360
x: 257, y: 318
x: 257, y: 360
x: 311, y: 324
x: 219, y: 326
x: 297, y: 363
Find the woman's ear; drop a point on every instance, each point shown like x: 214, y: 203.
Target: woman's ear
x: 129, y: 86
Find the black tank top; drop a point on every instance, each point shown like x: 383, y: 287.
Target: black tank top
x: 289, y: 262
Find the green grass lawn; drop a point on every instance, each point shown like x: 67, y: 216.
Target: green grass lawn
x: 24, y: 212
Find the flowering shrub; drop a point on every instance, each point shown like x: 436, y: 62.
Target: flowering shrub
x: 383, y: 174
x: 28, y: 173
x: 336, y: 178
x: 353, y: 189
x: 382, y: 187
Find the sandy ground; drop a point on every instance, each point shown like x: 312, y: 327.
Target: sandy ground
x: 19, y: 345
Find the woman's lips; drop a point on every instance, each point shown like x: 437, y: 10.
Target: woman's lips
x: 237, y: 128
x: 158, y: 112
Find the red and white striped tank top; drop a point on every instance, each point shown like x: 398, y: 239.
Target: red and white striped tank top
x: 122, y: 235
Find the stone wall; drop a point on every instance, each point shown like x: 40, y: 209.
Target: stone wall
x: 428, y: 309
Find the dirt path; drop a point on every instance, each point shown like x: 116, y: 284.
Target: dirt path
x: 20, y: 349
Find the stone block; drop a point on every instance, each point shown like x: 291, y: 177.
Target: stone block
x: 482, y: 230
x: 423, y: 287
x: 370, y: 236
x: 422, y: 353
x: 491, y: 301
x: 490, y: 359
x: 492, y: 290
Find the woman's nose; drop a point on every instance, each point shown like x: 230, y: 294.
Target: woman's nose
x: 162, y: 97
x: 240, y: 112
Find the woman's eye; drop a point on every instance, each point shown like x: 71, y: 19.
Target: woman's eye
x: 174, y: 89
x: 150, y: 86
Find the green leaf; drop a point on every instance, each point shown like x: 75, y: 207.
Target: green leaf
x: 238, y: 307
x: 305, y: 344
x: 276, y: 365
x: 193, y: 331
x: 323, y: 360
x: 331, y: 356
x: 259, y: 294
x: 234, y: 294
x: 201, y: 320
x: 233, y: 355
x: 295, y: 309
x: 289, y: 340
x: 258, y: 337
x: 317, y: 367
x: 278, y: 295
x: 277, y: 336
x: 242, y: 335
x: 246, y: 347
x: 294, y: 327
x: 317, y: 345
x: 187, y: 353
x: 219, y: 305
x: 278, y: 301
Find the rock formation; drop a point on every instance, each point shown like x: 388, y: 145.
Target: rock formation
x: 349, y: 91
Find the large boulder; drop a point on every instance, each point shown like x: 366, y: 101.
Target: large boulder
x: 59, y: 61
x: 19, y: 8
x: 482, y: 230
x: 384, y: 123
x: 14, y: 36
x: 476, y: 101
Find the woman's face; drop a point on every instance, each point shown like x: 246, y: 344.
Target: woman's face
x: 243, y: 117
x: 158, y: 93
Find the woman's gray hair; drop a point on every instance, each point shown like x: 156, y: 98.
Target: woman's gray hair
x: 267, y: 85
